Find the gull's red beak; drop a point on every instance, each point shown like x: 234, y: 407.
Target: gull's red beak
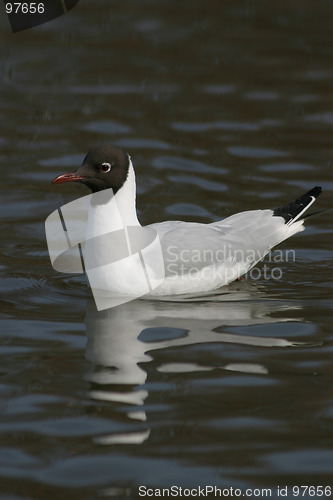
x: 67, y: 178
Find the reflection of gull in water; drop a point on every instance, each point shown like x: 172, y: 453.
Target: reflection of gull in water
x: 119, y: 340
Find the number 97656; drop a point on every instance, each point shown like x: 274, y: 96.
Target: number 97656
x: 312, y: 491
x: 25, y: 8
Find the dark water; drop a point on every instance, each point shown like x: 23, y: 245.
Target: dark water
x: 224, y: 106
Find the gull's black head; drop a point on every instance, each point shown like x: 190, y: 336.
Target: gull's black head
x: 104, y: 167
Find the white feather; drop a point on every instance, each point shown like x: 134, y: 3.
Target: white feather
x: 197, y: 257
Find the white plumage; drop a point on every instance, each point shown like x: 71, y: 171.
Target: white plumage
x: 197, y: 257
x: 174, y: 257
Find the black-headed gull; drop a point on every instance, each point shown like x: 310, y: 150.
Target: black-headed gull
x: 197, y: 257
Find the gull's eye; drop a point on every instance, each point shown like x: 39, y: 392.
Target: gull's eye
x: 105, y: 168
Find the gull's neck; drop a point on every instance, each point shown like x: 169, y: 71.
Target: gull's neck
x: 126, y: 199
x: 111, y: 213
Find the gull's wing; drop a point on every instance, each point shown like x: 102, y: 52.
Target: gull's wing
x: 232, y: 246
x: 241, y: 239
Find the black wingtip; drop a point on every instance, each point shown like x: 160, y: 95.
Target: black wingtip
x: 316, y: 191
x: 295, y: 209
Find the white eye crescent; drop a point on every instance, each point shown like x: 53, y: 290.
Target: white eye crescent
x: 105, y: 167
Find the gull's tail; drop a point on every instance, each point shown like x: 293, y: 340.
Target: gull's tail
x: 294, y: 210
